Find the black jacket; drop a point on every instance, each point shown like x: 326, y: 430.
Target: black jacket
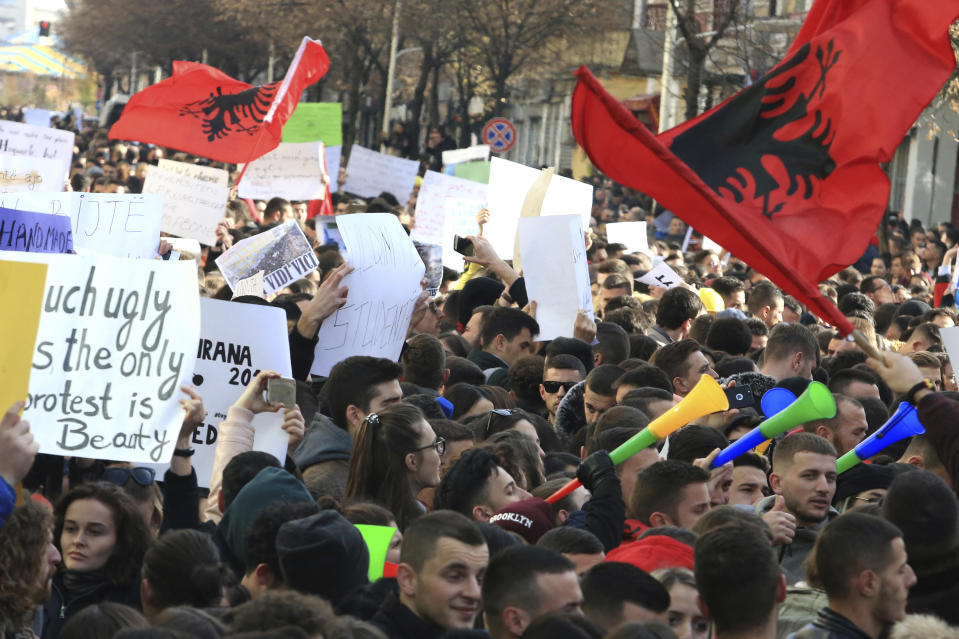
x: 830, y: 625
x: 60, y: 606
x: 399, y: 622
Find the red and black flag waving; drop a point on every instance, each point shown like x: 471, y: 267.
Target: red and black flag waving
x: 785, y: 174
x: 201, y: 110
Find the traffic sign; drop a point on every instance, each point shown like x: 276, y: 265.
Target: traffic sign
x: 499, y: 134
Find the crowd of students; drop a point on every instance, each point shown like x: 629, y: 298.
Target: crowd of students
x: 412, y: 501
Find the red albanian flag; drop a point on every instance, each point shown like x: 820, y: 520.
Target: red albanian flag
x: 203, y: 111
x: 785, y: 174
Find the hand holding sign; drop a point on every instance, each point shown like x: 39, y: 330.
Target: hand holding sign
x: 329, y: 297
x: 17, y: 446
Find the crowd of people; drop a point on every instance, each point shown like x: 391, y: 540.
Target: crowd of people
x: 412, y: 502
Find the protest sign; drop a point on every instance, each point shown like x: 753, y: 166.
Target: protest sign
x: 370, y: 173
x: 312, y: 121
x: 18, y: 141
x: 631, y: 234
x: 28, y: 174
x: 21, y: 285
x: 283, y: 254
x: 252, y: 285
x: 431, y: 206
x: 237, y: 341
x: 509, y: 183
x: 293, y: 170
x: 553, y: 251
x: 37, y: 117
x: 432, y: 256
x: 118, y: 224
x: 383, y: 289
x: 474, y: 171
x: 457, y: 156
x: 333, y: 156
x: 194, y: 198
x: 115, y: 341
x: 662, y: 276
x: 34, y: 232
x: 460, y: 219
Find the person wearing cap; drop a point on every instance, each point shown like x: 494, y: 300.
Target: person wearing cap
x: 442, y: 566
x: 529, y: 518
x: 323, y: 555
x: 862, y: 486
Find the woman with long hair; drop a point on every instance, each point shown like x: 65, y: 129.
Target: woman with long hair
x: 102, y: 537
x: 395, y: 455
x: 28, y: 560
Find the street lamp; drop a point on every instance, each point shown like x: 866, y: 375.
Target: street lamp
x: 394, y: 56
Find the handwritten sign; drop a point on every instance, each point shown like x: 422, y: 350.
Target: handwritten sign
x: 118, y: 224
x: 18, y: 141
x: 293, y: 170
x: 194, y: 198
x: 509, y: 183
x: 312, y: 121
x: 252, y: 285
x: 371, y: 173
x: 456, y: 156
x: 383, y: 289
x: 283, y: 254
x: 28, y: 174
x: 431, y: 207
x: 631, y: 234
x: 116, y: 340
x: 662, y: 276
x: 460, y: 219
x: 34, y: 232
x: 553, y: 251
x: 237, y: 341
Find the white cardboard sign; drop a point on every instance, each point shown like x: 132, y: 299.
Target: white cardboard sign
x: 431, y: 206
x: 293, y: 170
x: 19, y: 140
x: 383, y: 289
x: 194, y: 198
x: 116, y: 340
x: 370, y: 173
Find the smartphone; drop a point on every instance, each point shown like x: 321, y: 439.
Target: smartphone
x: 281, y: 390
x: 740, y: 396
x: 462, y: 246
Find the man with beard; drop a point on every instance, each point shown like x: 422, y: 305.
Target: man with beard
x: 804, y: 474
x: 862, y: 565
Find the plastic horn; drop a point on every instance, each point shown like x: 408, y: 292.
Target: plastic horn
x: 815, y: 403
x: 706, y: 397
x: 903, y: 423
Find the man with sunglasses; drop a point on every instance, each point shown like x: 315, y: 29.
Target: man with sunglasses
x: 561, y: 373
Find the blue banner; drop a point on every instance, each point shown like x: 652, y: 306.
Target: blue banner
x: 35, y: 232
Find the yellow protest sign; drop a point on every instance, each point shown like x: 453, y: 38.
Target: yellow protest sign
x: 21, y: 298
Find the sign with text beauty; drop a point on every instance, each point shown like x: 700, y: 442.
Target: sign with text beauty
x: 370, y: 173
x: 116, y: 340
x: 430, y: 220
x: 237, y: 341
x: 630, y: 234
x: 383, y: 289
x: 283, y: 254
x: 509, y: 183
x: 23, y: 141
x: 34, y: 232
x: 293, y: 170
x: 118, y: 224
x: 194, y: 198
x: 553, y: 250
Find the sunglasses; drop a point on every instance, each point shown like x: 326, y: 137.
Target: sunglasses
x: 553, y: 387
x: 119, y: 475
x: 502, y: 412
x: 439, y: 445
